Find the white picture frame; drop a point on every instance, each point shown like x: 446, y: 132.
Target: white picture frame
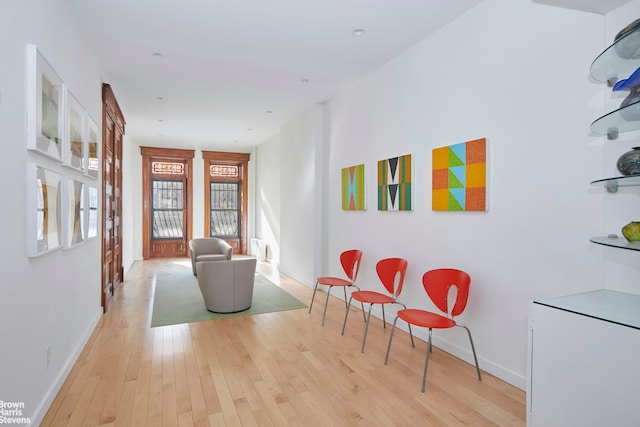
x: 74, y: 133
x: 92, y: 212
x: 73, y: 213
x: 92, y: 148
x: 43, y: 210
x: 45, y: 106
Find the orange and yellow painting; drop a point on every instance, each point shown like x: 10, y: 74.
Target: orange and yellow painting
x: 459, y: 180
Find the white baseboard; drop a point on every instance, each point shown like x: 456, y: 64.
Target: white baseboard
x: 305, y: 282
x: 44, y: 405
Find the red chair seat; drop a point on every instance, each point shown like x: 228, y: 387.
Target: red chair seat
x: 425, y: 319
x: 333, y: 281
x: 372, y: 297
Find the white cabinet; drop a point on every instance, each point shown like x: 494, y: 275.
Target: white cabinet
x: 584, y: 361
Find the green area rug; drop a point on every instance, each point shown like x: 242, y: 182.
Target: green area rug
x: 178, y: 299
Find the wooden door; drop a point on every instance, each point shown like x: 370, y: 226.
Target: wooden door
x: 112, y: 134
x: 167, y: 202
x: 226, y: 196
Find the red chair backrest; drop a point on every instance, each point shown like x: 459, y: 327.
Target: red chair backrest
x: 390, y: 268
x: 437, y: 284
x: 350, y: 261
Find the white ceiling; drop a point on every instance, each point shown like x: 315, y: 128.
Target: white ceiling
x: 231, y: 71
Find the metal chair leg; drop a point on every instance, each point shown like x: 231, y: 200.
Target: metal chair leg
x: 386, y: 358
x: 313, y: 297
x: 326, y: 303
x: 411, y: 335
x: 473, y: 348
x: 426, y: 363
x: 366, y: 329
x: 384, y: 321
x: 346, y: 315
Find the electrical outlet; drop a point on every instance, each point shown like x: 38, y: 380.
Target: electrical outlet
x: 47, y: 356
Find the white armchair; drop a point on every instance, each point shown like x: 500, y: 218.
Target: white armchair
x: 209, y: 249
x: 227, y: 286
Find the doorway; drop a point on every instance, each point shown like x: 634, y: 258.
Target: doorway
x: 225, y: 197
x: 167, y: 202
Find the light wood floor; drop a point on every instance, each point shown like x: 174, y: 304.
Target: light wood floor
x: 275, y: 369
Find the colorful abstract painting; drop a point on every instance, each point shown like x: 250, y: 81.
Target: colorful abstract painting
x: 460, y: 177
x: 394, y: 184
x: 353, y: 188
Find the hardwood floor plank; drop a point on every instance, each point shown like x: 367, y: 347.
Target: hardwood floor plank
x: 125, y: 408
x: 141, y: 397
x: 271, y: 369
x: 222, y: 388
x: 195, y: 391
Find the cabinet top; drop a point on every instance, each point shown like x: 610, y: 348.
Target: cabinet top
x: 611, y: 306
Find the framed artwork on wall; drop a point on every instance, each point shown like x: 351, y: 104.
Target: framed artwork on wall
x: 92, y: 212
x: 45, y: 106
x: 353, y: 188
x: 74, y: 136
x: 395, y: 184
x: 73, y: 213
x: 459, y: 177
x: 43, y: 210
x: 92, y: 150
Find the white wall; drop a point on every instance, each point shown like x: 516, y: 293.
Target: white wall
x: 300, y: 212
x: 52, y: 300
x: 267, y: 196
x: 522, y: 82
x: 131, y: 201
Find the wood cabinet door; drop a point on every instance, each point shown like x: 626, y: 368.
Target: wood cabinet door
x: 112, y: 133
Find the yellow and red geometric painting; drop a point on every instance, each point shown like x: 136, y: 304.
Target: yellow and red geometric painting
x: 353, y: 188
x: 459, y: 180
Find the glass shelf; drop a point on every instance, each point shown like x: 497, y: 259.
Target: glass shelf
x: 610, y: 306
x: 609, y: 66
x: 619, y: 242
x: 612, y: 123
x: 612, y: 184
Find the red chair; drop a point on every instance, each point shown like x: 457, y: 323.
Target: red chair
x: 437, y: 283
x: 391, y: 272
x: 350, y: 261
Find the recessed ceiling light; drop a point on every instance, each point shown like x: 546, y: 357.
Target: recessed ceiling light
x: 249, y: 129
x: 358, y: 33
x: 269, y: 111
x: 160, y: 120
x: 157, y: 55
x: 159, y: 98
x: 304, y: 81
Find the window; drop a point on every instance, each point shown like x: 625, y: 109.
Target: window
x: 224, y: 209
x: 167, y: 200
